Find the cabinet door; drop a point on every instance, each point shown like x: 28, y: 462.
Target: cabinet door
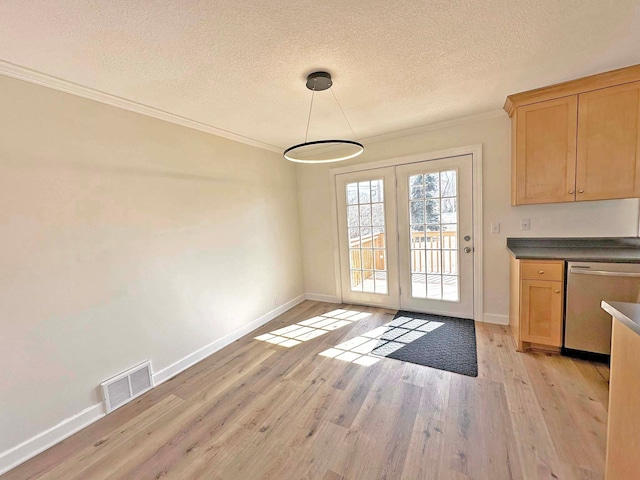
x: 609, y: 143
x: 545, y: 152
x: 623, y: 444
x: 541, y: 312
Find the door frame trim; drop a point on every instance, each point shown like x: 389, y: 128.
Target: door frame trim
x: 476, y: 155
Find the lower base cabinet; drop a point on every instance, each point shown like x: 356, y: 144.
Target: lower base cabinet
x: 623, y: 433
x: 536, y: 309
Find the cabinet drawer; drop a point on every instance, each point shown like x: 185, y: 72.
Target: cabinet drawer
x: 536, y: 270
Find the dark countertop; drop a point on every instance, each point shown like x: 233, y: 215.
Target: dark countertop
x: 627, y: 313
x: 595, y: 249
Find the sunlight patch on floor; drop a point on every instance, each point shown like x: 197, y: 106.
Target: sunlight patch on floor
x: 313, y: 327
x: 380, y: 342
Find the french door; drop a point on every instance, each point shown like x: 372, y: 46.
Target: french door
x: 368, y: 238
x: 405, y: 236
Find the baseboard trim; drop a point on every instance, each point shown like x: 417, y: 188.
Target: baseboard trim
x: 39, y: 443
x: 495, y: 319
x: 13, y: 457
x: 319, y: 297
x: 199, y: 355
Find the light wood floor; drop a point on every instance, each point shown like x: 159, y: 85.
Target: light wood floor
x: 259, y: 411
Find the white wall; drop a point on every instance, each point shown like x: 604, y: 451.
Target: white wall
x: 605, y: 218
x: 125, y: 238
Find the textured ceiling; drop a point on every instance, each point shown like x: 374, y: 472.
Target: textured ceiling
x: 240, y: 65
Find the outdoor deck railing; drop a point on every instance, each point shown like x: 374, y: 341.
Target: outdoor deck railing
x: 367, y: 252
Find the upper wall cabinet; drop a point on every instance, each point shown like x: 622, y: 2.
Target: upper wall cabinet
x: 578, y: 140
x: 545, y: 152
x: 608, y: 143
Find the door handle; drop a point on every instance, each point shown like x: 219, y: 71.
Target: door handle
x: 467, y: 249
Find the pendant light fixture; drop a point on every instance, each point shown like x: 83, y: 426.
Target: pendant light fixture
x: 323, y: 151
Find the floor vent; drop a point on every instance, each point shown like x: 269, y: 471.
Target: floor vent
x: 126, y: 386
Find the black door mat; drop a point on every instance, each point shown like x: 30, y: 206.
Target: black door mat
x: 445, y: 343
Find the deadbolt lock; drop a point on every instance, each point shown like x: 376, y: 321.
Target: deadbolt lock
x: 467, y: 238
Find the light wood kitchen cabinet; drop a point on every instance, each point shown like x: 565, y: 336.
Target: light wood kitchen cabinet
x: 536, y: 309
x: 578, y: 140
x: 609, y: 143
x: 623, y: 425
x: 545, y: 156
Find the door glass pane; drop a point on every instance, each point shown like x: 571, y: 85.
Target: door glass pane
x: 449, y: 211
x: 377, y: 214
x: 352, y: 194
x: 449, y: 236
x: 433, y: 239
x: 434, y: 236
x: 379, y: 260
x: 450, y: 249
x: 381, y: 283
x: 367, y: 244
x: 418, y: 261
x: 419, y: 285
x: 378, y: 237
x: 434, y: 287
x: 354, y: 237
x: 417, y: 236
x: 431, y: 185
x: 365, y: 215
x: 449, y: 287
x: 416, y: 187
x: 432, y: 211
x: 356, y: 280
x: 448, y: 183
x: 433, y: 261
x: 449, y: 262
x: 368, y: 284
x: 355, y: 260
x: 416, y: 210
x: 367, y: 258
x: 353, y: 216
x: 364, y: 191
x: 377, y: 191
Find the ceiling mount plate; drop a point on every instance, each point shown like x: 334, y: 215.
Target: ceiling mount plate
x: 319, y: 81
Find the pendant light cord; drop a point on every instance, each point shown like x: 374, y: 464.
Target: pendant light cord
x: 313, y: 92
x: 343, y: 114
x: 312, y: 152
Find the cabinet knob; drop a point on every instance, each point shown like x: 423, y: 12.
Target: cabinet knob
x: 581, y: 191
x: 557, y: 291
x: 571, y: 192
x: 540, y: 272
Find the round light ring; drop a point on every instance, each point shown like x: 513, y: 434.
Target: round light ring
x: 346, y: 149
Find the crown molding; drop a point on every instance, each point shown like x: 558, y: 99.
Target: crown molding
x: 26, y: 74
x: 429, y: 127
x: 22, y: 73
x: 598, y: 81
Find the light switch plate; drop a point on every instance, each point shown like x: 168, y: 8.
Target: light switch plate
x: 525, y: 224
x: 495, y: 227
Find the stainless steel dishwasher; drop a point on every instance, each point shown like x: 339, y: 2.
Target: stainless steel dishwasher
x: 587, y: 327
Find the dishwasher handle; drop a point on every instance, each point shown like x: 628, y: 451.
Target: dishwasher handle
x: 603, y: 273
